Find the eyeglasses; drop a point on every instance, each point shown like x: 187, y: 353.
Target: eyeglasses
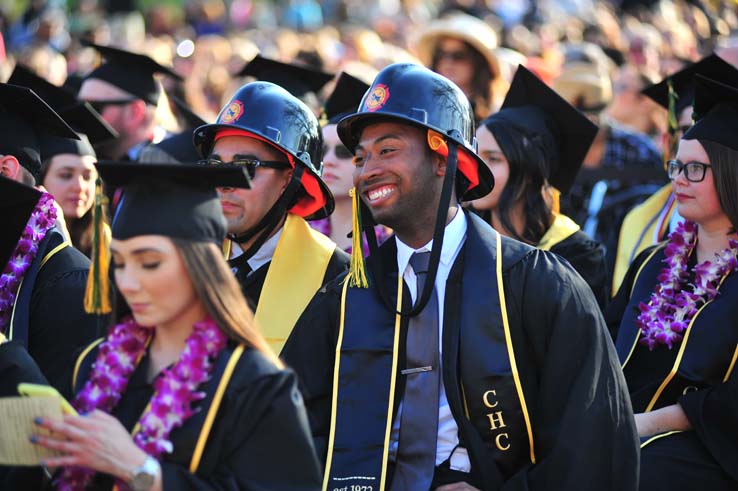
x: 99, y: 105
x: 693, y: 171
x: 250, y: 164
x: 341, y: 151
x: 456, y: 56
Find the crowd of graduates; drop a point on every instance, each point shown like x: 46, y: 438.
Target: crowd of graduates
x: 364, y: 246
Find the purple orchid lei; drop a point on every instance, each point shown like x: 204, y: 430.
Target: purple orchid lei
x: 175, y: 390
x: 672, y: 306
x: 42, y: 219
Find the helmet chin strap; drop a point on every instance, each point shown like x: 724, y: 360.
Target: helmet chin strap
x: 438, y: 234
x: 269, y: 222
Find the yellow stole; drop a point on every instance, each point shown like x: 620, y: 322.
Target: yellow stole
x: 638, y: 231
x: 2, y: 338
x: 562, y: 228
x: 295, y: 274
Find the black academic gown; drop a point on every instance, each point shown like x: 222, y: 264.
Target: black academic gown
x: 16, y: 366
x: 587, y: 256
x: 49, y: 314
x: 707, y: 456
x: 260, y: 439
x: 582, y: 423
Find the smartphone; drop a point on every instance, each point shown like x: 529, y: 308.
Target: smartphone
x: 36, y: 390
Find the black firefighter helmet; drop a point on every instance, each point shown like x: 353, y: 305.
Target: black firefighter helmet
x: 416, y: 95
x: 269, y: 112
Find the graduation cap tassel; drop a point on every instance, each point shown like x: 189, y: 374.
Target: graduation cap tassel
x: 670, y: 145
x: 97, y: 292
x: 357, y: 269
x: 555, y: 200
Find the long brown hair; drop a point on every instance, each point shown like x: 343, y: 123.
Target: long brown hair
x: 218, y: 290
x: 724, y: 163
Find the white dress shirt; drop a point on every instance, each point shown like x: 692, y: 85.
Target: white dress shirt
x: 263, y: 255
x: 448, y: 431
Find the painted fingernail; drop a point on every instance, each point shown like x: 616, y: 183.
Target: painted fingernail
x: 33, y: 438
x: 37, y: 420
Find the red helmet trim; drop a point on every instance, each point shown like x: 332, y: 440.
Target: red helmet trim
x: 467, y: 165
x: 314, y: 200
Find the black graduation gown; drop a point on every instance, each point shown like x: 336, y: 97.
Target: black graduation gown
x: 582, y: 424
x: 16, y: 367
x: 252, y: 285
x: 587, y: 256
x: 707, y: 456
x: 260, y: 439
x: 49, y: 317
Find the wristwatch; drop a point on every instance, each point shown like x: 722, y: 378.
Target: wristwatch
x: 143, y: 477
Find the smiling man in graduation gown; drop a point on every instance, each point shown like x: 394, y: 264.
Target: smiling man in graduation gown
x: 44, y: 311
x: 277, y: 258
x: 463, y: 359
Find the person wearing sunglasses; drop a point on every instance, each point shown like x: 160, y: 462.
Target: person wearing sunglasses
x: 462, y: 48
x: 126, y: 93
x: 674, y: 317
x: 273, y: 252
x: 338, y: 165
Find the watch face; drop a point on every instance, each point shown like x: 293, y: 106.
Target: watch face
x: 142, y: 481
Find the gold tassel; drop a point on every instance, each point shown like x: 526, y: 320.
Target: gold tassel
x: 671, y: 142
x: 555, y: 200
x: 357, y: 269
x: 97, y: 292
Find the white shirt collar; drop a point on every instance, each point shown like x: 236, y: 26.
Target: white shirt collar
x: 263, y: 255
x: 452, y: 239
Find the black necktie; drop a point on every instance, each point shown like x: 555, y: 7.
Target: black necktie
x: 416, y: 452
x: 240, y: 267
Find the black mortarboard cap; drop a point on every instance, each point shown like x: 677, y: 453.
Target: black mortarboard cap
x: 24, y: 119
x: 52, y: 146
x: 17, y: 202
x: 174, y: 200
x: 179, y: 147
x: 81, y: 116
x: 715, y: 113
x: 297, y: 80
x: 683, y: 82
x: 345, y: 98
x: 543, y: 115
x: 131, y: 72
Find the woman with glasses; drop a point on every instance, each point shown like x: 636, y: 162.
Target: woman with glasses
x: 462, y: 48
x: 675, y: 317
x: 183, y: 392
x: 338, y: 165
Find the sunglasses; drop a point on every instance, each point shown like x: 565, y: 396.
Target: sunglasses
x: 100, y: 105
x: 341, y: 151
x: 456, y: 56
x: 693, y: 171
x: 249, y: 163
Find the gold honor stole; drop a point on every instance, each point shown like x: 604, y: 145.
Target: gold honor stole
x: 562, y: 228
x: 365, y: 378
x: 642, y: 227
x: 295, y: 274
